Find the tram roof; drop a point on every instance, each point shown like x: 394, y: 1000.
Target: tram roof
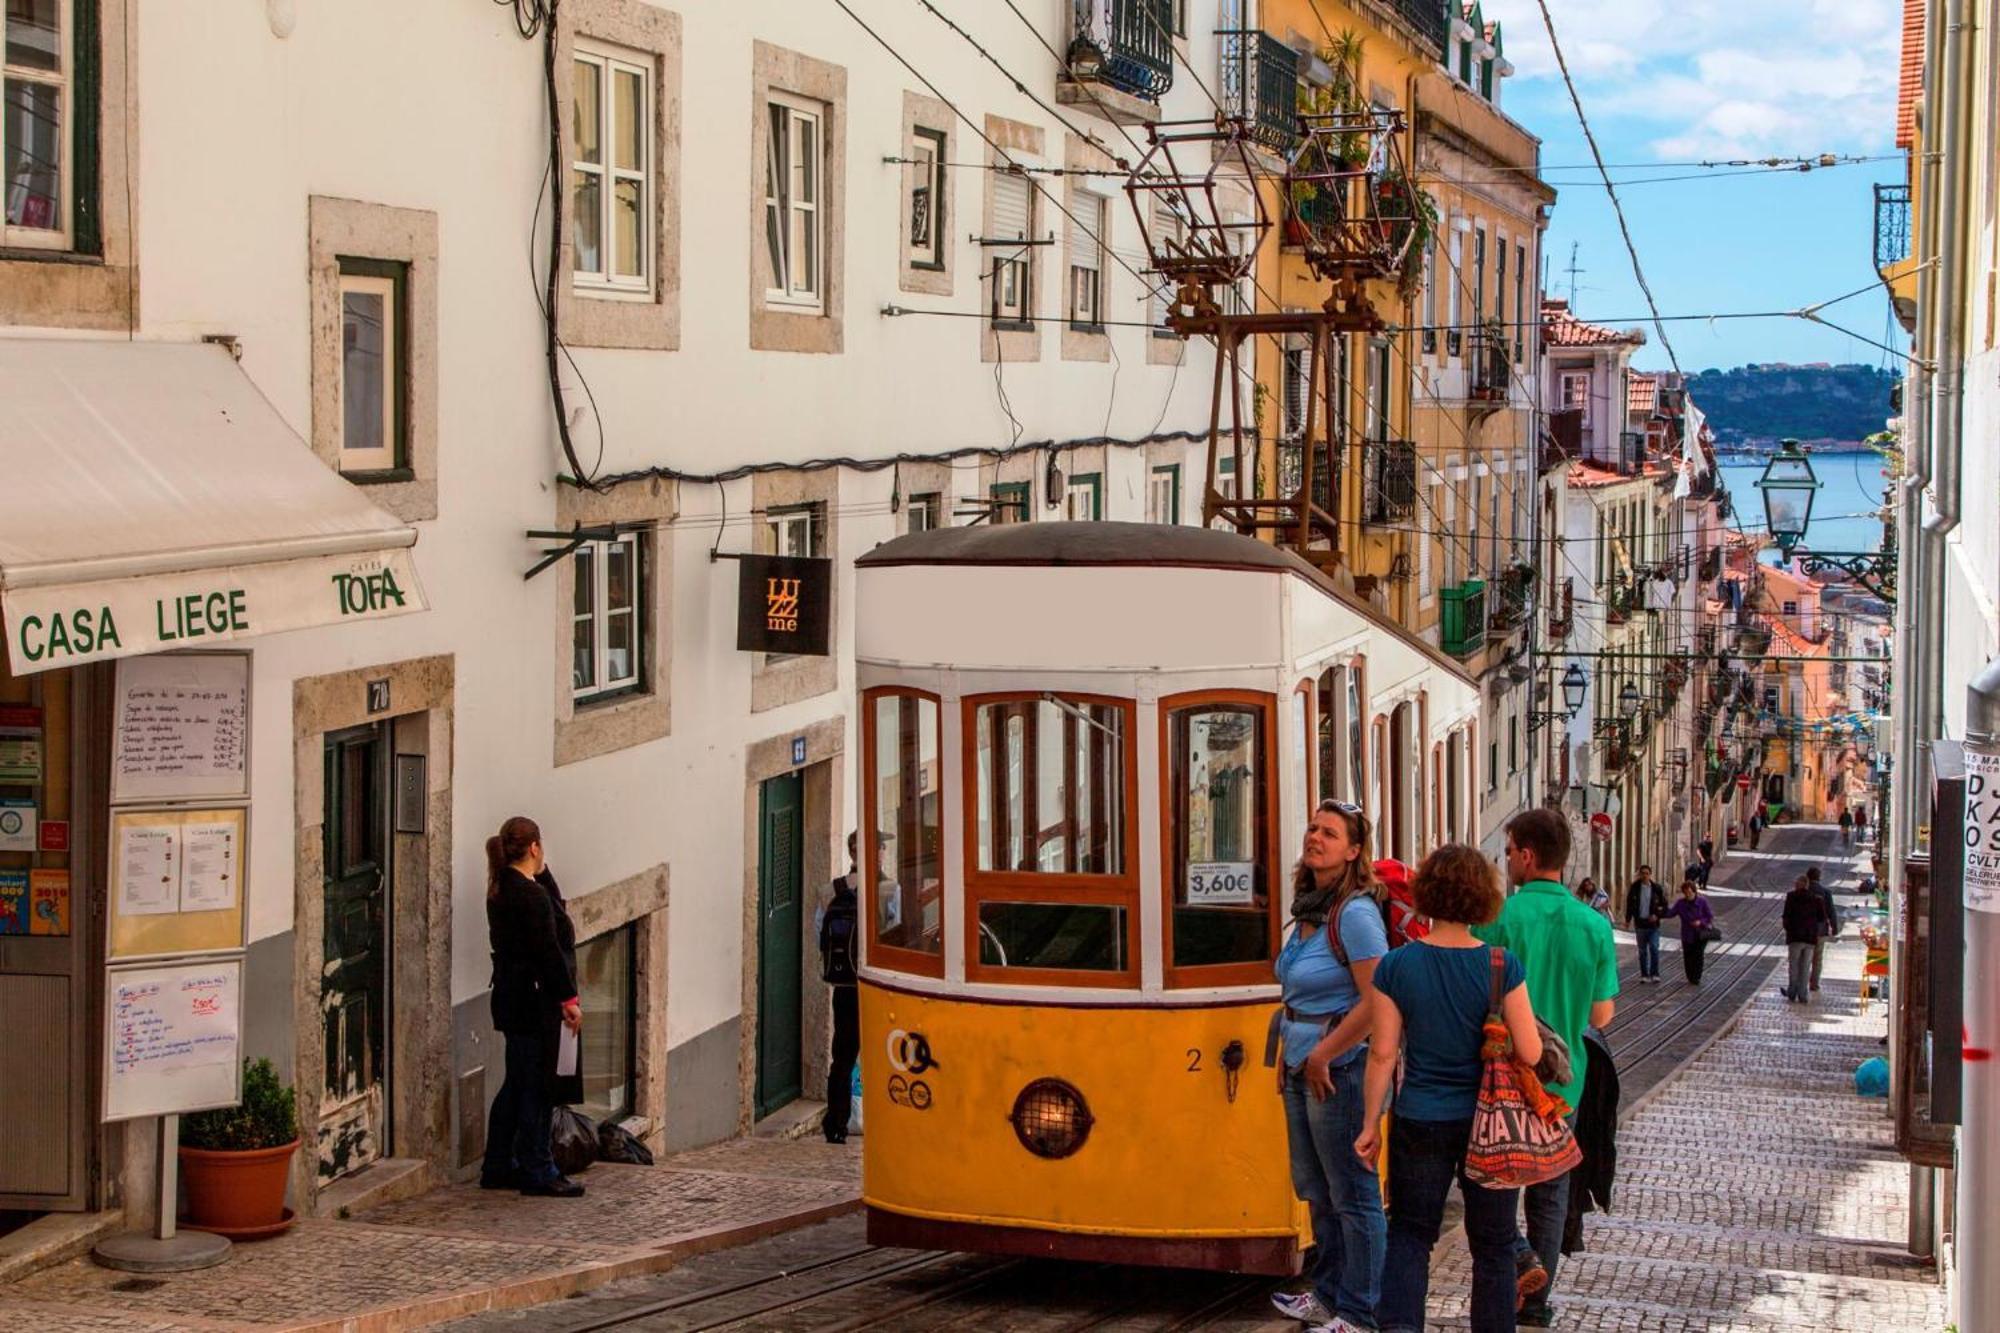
x: 1080, y: 543
x: 1103, y: 544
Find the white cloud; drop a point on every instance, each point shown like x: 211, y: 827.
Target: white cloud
x: 1721, y: 78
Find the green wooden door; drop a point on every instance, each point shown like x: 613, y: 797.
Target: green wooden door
x: 354, y: 994
x: 780, y: 914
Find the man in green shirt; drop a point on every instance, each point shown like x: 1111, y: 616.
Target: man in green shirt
x: 1572, y: 965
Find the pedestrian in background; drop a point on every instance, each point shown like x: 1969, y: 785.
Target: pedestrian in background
x: 1572, y: 968
x: 1645, y: 908
x: 534, y: 997
x: 1805, y: 922
x: 1860, y: 824
x: 1846, y: 827
x: 1596, y: 899
x: 1831, y: 930
x: 1706, y: 851
x: 1697, y: 919
x: 1326, y: 973
x: 1756, y: 828
x: 1430, y: 1006
x: 839, y: 968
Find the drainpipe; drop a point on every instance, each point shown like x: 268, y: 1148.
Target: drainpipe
x: 1978, y: 1242
x: 1954, y: 190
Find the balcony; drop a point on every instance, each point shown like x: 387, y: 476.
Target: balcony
x: 1622, y: 451
x: 1121, y: 59
x: 1564, y: 615
x: 1492, y: 369
x: 1563, y: 441
x: 1260, y: 81
x: 1711, y: 564
x: 1621, y: 598
x: 1392, y: 482
x: 1427, y: 17
x: 1463, y: 618
x: 1892, y: 251
x: 1507, y: 601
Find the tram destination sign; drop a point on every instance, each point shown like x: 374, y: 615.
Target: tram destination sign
x: 784, y: 604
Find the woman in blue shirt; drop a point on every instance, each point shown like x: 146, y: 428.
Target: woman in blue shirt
x: 1325, y: 969
x: 1431, y: 1001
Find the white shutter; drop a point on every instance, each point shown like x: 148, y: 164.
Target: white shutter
x: 1085, y: 211
x: 1012, y: 197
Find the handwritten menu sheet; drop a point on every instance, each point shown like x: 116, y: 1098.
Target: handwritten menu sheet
x: 183, y: 727
x: 177, y: 881
x: 173, y: 1036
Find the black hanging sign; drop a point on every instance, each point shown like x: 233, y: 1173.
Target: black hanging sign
x: 784, y: 604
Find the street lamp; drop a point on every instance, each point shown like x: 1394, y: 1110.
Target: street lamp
x: 1789, y: 485
x: 1628, y: 701
x: 1574, y: 686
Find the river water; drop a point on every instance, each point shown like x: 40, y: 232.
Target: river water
x: 1844, y: 512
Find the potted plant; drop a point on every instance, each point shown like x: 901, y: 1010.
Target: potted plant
x: 235, y: 1160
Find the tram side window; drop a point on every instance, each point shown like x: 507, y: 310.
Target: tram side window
x: 1050, y: 886
x: 1219, y: 838
x: 903, y: 763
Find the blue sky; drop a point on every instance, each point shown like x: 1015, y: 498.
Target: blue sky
x: 1674, y: 81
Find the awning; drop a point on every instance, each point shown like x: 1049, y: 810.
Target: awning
x: 150, y: 498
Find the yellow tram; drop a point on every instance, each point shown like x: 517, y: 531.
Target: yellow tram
x: 1087, y: 751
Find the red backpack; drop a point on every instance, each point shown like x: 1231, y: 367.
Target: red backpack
x: 1401, y: 921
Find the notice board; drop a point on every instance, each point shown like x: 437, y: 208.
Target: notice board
x: 176, y: 881
x: 181, y: 728
x: 173, y: 1035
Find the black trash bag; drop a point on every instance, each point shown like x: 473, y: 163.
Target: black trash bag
x: 615, y: 1143
x: 572, y: 1141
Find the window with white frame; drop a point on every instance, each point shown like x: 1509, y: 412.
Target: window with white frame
x: 607, y: 631
x: 1575, y: 386
x: 1083, y: 498
x: 1011, y: 266
x: 1160, y: 297
x: 1452, y: 341
x: 1163, y: 494
x: 1520, y: 337
x: 927, y: 198
x: 796, y: 530
x: 1430, y: 296
x: 611, y: 162
x: 926, y: 511
x: 794, y: 170
x: 1088, y: 225
x: 1426, y: 578
x: 36, y: 170
x: 1297, y: 391
x: 372, y: 369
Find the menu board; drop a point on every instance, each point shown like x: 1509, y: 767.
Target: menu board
x: 176, y: 881
x: 172, y: 1036
x: 182, y: 728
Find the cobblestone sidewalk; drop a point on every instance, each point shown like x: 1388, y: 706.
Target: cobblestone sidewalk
x: 460, y: 1250
x: 1756, y: 1191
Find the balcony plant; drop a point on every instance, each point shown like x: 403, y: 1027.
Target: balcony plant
x: 235, y: 1160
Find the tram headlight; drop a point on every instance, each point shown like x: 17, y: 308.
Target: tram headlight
x: 1050, y: 1118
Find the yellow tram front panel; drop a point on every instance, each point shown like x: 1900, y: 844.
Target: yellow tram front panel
x: 1175, y: 1148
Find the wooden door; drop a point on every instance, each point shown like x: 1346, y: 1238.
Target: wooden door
x: 354, y: 995
x: 781, y: 917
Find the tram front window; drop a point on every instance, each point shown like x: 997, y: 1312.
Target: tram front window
x: 1219, y: 839
x: 1051, y: 789
x: 902, y: 751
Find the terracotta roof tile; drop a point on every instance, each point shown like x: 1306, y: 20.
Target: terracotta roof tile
x: 1642, y: 395
x: 1562, y: 329
x: 1910, y: 86
x: 1586, y: 475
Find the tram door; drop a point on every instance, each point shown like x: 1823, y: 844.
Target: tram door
x: 354, y: 1118
x: 781, y: 808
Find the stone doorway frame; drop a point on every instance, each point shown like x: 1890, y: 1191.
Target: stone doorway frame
x: 826, y: 750
x: 422, y: 702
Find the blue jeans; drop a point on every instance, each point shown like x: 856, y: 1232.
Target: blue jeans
x: 1425, y: 1156
x: 1547, y: 1207
x: 517, y: 1128
x: 1649, y: 950
x: 1342, y: 1192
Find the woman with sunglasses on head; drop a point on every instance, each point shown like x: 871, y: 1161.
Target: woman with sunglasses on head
x: 1326, y: 970
x: 1431, y: 1010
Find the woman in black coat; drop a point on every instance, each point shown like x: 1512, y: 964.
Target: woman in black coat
x: 534, y: 998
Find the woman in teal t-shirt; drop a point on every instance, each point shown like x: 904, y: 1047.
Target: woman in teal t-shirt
x: 1431, y: 1000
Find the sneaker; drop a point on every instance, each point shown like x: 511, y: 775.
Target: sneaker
x: 1303, y: 1306
x: 1536, y: 1316
x: 1530, y: 1278
x: 1337, y: 1325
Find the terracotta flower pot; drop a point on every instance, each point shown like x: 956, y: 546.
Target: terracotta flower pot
x: 237, y: 1193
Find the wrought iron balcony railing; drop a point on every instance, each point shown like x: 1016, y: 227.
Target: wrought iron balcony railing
x: 1127, y: 44
x: 1892, y: 225
x: 1492, y: 370
x: 1563, y: 443
x: 1392, y: 481
x: 1260, y: 85
x: 1426, y: 16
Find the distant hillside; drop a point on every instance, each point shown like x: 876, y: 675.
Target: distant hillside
x: 1755, y: 405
